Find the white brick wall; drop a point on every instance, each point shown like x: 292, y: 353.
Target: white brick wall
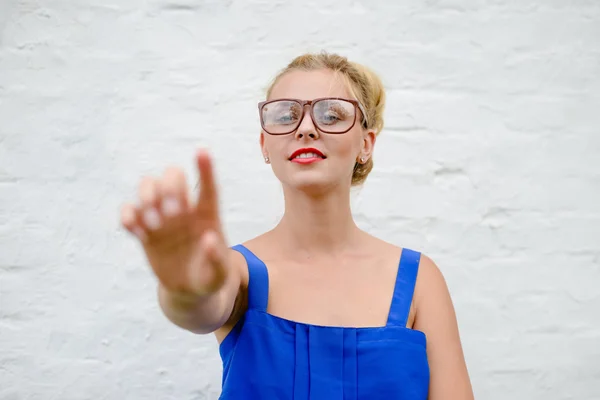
x: 489, y: 163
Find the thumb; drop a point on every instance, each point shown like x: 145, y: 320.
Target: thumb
x: 209, y: 274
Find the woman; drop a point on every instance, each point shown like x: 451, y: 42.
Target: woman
x: 314, y: 308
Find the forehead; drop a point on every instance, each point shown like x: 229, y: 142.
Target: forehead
x: 308, y: 85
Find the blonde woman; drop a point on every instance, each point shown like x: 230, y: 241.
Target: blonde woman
x: 315, y: 308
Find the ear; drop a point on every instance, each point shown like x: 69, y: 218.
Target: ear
x: 263, y: 147
x: 368, y: 145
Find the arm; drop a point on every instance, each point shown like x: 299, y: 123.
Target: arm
x: 204, y: 314
x: 199, y: 276
x: 436, y: 317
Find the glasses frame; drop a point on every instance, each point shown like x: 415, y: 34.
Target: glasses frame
x: 304, y: 103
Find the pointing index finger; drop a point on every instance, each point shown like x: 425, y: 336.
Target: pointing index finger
x: 208, y: 190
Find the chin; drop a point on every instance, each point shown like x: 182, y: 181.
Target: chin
x: 313, y: 184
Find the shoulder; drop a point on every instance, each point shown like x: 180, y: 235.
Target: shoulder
x: 381, y: 247
x: 436, y: 317
x: 238, y: 260
x: 432, y: 301
x: 431, y: 283
x: 430, y: 276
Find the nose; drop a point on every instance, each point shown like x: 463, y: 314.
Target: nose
x: 307, y: 127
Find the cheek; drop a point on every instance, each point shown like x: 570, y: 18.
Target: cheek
x: 280, y: 149
x: 347, y: 147
x: 272, y: 146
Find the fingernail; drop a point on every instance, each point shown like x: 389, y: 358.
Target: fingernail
x: 139, y: 232
x: 170, y: 206
x: 152, y: 218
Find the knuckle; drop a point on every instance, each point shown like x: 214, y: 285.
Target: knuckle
x: 148, y: 190
x: 173, y: 172
x: 173, y: 179
x: 127, y: 215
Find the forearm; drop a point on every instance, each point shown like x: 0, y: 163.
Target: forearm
x: 200, y: 314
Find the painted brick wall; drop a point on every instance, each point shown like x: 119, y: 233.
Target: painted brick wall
x: 489, y: 163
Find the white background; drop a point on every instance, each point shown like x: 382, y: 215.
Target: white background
x: 489, y: 163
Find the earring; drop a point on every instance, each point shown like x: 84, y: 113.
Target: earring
x: 362, y: 159
x: 266, y: 159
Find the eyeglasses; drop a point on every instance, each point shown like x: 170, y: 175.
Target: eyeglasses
x: 329, y: 114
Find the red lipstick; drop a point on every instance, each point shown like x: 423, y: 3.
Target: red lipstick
x: 313, y: 155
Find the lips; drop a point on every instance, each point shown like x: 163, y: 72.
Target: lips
x: 308, y: 151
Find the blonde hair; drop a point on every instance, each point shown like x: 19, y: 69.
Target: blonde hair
x: 363, y: 84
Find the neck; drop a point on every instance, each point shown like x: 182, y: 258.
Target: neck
x: 317, y: 223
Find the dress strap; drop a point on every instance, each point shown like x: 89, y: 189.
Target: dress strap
x: 258, y: 279
x: 405, y: 287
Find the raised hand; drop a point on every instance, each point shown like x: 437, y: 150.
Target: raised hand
x: 182, y: 237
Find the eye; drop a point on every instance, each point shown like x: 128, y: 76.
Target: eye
x: 332, y: 113
x: 286, y: 117
x: 330, y: 117
x: 281, y: 113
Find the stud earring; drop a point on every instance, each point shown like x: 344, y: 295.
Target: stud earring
x: 266, y: 159
x: 362, y: 159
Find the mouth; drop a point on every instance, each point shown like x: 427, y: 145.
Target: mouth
x: 307, y: 155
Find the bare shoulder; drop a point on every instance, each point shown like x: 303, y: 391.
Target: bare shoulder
x: 430, y: 280
x: 261, y: 245
x: 389, y: 251
x: 238, y: 261
x: 238, y: 264
x: 431, y: 300
x: 435, y: 316
x: 382, y: 247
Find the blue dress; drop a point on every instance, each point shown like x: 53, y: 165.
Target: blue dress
x: 268, y: 357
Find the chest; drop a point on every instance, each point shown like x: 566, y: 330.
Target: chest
x: 353, y: 293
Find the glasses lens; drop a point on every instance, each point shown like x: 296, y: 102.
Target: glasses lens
x: 281, y: 116
x: 332, y: 115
